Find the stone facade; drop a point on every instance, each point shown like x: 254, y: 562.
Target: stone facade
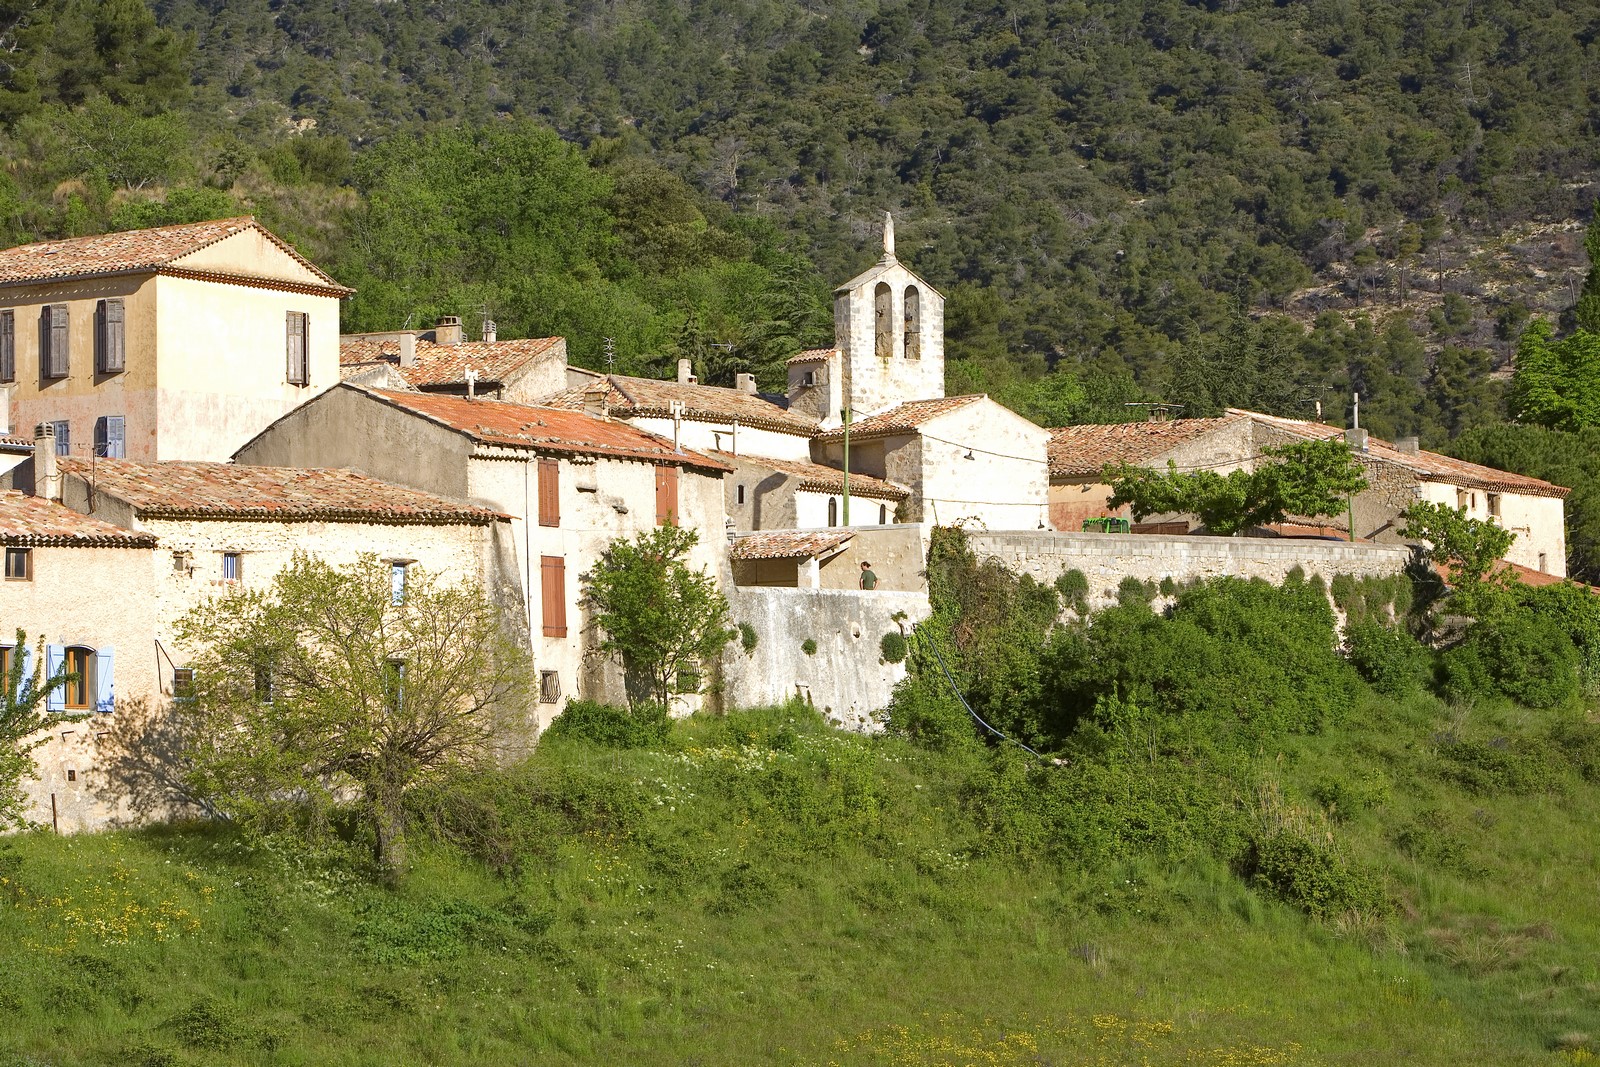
x: 889, y: 327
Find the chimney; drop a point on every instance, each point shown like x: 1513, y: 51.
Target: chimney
x: 1356, y: 439
x: 472, y: 383
x: 686, y: 372
x: 1409, y: 445
x: 408, y: 350
x: 595, y: 400
x: 46, y: 477
x: 488, y: 331
x: 447, y: 331
x: 745, y: 383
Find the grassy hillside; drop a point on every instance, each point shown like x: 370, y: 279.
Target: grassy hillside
x: 759, y: 888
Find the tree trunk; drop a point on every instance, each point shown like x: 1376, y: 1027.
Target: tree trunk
x: 388, y: 832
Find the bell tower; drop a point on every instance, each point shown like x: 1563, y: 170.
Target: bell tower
x: 888, y: 325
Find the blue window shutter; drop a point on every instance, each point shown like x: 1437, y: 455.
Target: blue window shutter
x: 55, y: 656
x: 105, y: 700
x: 63, y: 438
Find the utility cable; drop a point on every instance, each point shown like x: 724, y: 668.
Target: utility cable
x: 934, y: 645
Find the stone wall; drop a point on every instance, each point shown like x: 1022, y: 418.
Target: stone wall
x: 845, y: 678
x: 1106, y: 559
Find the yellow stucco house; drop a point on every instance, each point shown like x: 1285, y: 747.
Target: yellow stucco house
x: 180, y: 342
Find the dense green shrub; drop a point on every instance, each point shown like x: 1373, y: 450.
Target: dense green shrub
x: 1516, y: 654
x: 747, y: 637
x: 809, y: 646
x: 1313, y: 877
x: 1344, y: 799
x: 1388, y: 658
x: 1435, y: 838
x: 1133, y: 591
x: 1515, y: 766
x: 1232, y: 657
x: 642, y: 726
x: 893, y: 647
x: 924, y: 710
x: 1073, y: 585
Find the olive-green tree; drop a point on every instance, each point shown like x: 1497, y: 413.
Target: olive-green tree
x: 339, y: 681
x: 662, y: 618
x: 1306, y: 478
x: 23, y: 719
x: 1469, y: 547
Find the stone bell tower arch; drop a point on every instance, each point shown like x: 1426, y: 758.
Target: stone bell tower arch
x: 888, y: 326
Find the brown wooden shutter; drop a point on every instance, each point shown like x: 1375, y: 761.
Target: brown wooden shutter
x: 8, y: 346
x: 549, y: 492
x: 666, y: 494
x: 553, y: 594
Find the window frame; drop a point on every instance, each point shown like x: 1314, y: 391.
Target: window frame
x: 85, y: 686
x: 399, y: 575
x: 25, y: 554
x: 549, y: 687
x: 63, y: 435
x: 109, y: 445
x: 233, y: 561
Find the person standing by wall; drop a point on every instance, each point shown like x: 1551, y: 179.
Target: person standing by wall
x: 868, y: 579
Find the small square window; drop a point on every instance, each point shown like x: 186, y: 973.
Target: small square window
x: 72, y: 775
x: 183, y: 683
x: 180, y: 562
x: 19, y: 564
x: 232, y: 566
x: 808, y: 378
x: 738, y: 494
x: 549, y: 687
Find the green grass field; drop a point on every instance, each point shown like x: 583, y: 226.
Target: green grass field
x: 759, y: 889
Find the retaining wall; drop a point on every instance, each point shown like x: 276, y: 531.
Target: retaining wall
x: 846, y: 678
x: 1106, y: 559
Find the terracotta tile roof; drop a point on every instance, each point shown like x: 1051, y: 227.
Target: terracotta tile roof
x: 812, y: 355
x: 636, y: 397
x: 1078, y: 450
x: 32, y: 521
x: 816, y: 478
x: 546, y: 429
x: 446, y: 365
x: 1426, y: 466
x: 788, y: 544
x: 131, y: 251
x: 194, y: 490
x: 1525, y: 575
x: 12, y: 443
x: 903, y: 419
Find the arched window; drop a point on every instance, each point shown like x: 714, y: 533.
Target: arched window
x: 833, y: 511
x: 883, y: 514
x: 913, y: 342
x: 883, y: 320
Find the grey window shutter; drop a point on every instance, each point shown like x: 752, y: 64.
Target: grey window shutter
x: 115, y: 446
x: 110, y: 350
x: 59, y: 366
x: 63, y: 437
x: 8, y: 346
x: 296, y: 333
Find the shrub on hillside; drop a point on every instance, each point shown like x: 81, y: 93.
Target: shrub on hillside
x: 1516, y: 654
x: 1389, y: 659
x: 892, y: 647
x: 642, y: 726
x: 1073, y: 585
x: 1500, y: 766
x: 1313, y: 877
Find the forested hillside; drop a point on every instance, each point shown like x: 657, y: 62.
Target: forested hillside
x: 1207, y: 203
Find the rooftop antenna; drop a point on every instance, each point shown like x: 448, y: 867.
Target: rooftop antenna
x: 611, y: 354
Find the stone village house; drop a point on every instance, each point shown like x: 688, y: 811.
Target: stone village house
x: 180, y: 342
x: 571, y: 483
x: 1399, y: 474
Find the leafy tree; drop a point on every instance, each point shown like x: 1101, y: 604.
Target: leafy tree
x: 1557, y: 383
x: 665, y: 620
x: 1469, y: 547
x: 1308, y: 478
x: 1587, y: 310
x: 23, y: 720
x: 328, y: 683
